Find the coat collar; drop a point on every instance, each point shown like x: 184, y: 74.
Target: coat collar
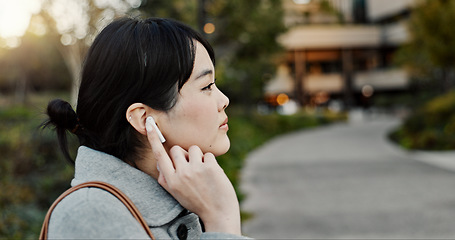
x: 156, y: 205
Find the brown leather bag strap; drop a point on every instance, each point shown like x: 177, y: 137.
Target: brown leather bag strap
x: 107, y: 187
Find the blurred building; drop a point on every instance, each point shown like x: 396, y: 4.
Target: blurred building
x: 341, y: 50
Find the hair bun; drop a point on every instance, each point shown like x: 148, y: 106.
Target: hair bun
x: 62, y: 115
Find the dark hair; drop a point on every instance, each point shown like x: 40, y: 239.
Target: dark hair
x: 131, y: 60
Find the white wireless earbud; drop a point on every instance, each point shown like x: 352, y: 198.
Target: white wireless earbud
x: 149, y: 123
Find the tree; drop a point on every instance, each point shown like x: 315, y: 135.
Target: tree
x: 245, y: 46
x: 430, y: 54
x: 33, y: 66
x: 244, y: 39
x: 75, y: 23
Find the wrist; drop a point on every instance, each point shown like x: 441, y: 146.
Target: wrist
x: 223, y: 226
x: 225, y: 223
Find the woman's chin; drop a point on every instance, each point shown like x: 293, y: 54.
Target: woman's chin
x: 222, y: 149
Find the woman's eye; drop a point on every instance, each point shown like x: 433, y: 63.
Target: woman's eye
x: 208, y: 87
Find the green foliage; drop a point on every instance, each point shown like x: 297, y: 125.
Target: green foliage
x: 432, y: 32
x: 36, y: 63
x: 182, y: 10
x: 252, y: 44
x: 430, y: 54
x: 33, y: 171
x: 432, y: 127
x: 244, y: 39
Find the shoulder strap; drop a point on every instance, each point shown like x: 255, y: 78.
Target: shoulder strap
x: 107, y: 187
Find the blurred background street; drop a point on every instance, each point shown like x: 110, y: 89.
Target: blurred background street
x: 346, y: 181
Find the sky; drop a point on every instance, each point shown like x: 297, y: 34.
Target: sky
x: 15, y: 16
x: 71, y: 17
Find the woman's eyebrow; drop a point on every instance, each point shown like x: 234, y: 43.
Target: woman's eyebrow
x: 204, y: 73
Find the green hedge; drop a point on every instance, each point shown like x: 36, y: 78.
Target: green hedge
x: 34, y: 172
x: 431, y: 127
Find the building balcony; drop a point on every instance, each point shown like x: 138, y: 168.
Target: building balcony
x: 379, y: 80
x: 388, y: 79
x: 343, y: 36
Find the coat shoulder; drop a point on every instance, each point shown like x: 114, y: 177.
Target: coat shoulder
x: 93, y: 213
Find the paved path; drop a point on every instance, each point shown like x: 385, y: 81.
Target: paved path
x: 345, y: 181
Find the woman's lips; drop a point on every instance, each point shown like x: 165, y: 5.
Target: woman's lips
x: 224, y: 125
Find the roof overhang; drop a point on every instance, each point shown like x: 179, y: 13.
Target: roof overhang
x: 342, y: 36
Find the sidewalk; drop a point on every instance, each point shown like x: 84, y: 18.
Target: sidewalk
x: 347, y: 180
x: 441, y: 159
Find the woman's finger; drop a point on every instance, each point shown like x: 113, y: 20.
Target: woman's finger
x: 179, y: 157
x: 164, y: 163
x: 209, y: 158
x: 195, y: 155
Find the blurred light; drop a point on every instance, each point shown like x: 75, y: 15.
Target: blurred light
x: 321, y: 97
x: 134, y: 3
x: 302, y: 1
x: 335, y: 106
x: 13, y: 42
x: 291, y: 107
x: 209, y: 28
x: 282, y: 99
x: 38, y: 26
x: 71, y: 16
x: 67, y: 39
x: 367, y: 91
x: 15, y: 16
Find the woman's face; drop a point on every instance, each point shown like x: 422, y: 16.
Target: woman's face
x: 198, y: 118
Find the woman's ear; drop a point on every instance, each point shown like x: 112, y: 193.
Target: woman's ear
x: 136, y: 115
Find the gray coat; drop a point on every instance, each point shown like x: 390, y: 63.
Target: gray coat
x: 95, y: 213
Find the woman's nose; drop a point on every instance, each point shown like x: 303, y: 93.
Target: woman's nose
x: 223, y: 101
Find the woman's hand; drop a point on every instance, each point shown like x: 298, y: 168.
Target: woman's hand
x: 199, y: 184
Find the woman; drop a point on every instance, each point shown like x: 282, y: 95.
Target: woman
x: 136, y: 69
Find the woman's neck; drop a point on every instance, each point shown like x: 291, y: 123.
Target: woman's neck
x: 146, y: 162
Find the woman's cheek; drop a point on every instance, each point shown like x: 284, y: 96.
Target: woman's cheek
x: 197, y: 115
